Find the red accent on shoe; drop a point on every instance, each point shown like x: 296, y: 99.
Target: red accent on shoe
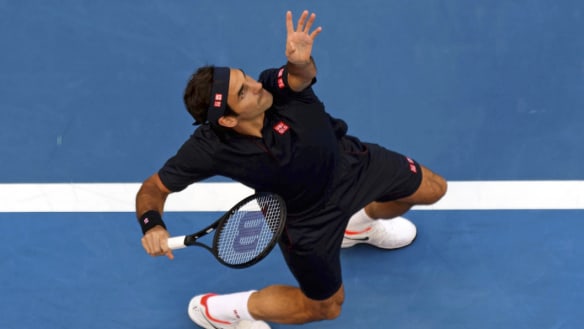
x: 347, y: 232
x: 204, y: 303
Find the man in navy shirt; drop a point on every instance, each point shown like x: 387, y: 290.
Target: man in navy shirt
x: 275, y: 135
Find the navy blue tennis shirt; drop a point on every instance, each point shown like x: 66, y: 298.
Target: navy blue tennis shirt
x: 296, y: 156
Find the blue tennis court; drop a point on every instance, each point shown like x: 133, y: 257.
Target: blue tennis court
x: 490, y: 95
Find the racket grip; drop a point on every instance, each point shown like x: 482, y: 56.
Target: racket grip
x: 177, y: 242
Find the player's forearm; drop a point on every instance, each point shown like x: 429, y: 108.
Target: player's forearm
x: 151, y: 196
x: 300, y: 75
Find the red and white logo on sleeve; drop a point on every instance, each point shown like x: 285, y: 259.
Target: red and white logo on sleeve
x: 281, y: 84
x: 281, y: 127
x: 412, y: 165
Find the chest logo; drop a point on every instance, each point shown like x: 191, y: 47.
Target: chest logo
x: 281, y: 127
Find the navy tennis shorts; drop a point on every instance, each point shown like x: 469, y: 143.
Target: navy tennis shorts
x: 311, y: 242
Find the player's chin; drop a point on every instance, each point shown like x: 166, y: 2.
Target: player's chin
x: 265, y: 99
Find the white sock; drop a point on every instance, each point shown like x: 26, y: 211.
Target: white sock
x: 230, y: 307
x: 360, y: 220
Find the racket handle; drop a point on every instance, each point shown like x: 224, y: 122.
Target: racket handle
x: 177, y: 242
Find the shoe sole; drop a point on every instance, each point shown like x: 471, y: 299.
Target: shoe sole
x: 352, y: 242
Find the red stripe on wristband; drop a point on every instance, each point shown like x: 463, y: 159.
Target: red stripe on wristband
x: 150, y: 219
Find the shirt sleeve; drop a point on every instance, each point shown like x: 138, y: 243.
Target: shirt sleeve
x: 275, y: 81
x: 193, y: 162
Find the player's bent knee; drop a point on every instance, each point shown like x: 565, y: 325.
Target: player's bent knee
x: 327, y: 310
x: 433, y: 187
x: 330, y: 308
x: 441, y: 187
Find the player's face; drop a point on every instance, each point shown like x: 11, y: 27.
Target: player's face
x: 246, y: 96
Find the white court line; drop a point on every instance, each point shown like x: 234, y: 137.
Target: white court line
x: 120, y: 197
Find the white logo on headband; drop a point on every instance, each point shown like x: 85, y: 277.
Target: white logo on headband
x: 218, y: 99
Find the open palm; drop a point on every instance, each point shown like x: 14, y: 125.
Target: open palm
x: 299, y: 41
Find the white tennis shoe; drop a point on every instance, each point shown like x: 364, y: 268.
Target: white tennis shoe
x: 199, y: 314
x: 392, y: 233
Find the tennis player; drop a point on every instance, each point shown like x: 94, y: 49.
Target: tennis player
x: 274, y: 135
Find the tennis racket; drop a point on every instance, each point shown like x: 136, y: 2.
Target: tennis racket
x: 245, y: 234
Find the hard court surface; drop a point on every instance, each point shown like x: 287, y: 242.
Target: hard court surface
x: 488, y: 94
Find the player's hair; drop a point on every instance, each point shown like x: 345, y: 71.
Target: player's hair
x: 198, y: 92
x: 197, y: 95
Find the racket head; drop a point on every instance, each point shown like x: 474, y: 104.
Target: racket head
x: 249, y: 231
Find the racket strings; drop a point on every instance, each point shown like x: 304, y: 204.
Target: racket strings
x: 249, y: 231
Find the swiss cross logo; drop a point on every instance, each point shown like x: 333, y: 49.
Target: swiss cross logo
x: 281, y: 127
x: 218, y: 99
x: 412, y: 165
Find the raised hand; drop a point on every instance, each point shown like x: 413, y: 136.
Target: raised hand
x: 299, y: 41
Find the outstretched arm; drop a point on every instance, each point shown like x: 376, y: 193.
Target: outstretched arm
x: 299, y: 41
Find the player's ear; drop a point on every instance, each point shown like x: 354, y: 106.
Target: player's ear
x: 227, y: 121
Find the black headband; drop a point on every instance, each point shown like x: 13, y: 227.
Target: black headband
x: 219, y: 91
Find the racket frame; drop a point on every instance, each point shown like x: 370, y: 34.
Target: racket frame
x: 179, y: 242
